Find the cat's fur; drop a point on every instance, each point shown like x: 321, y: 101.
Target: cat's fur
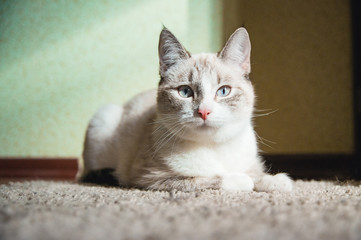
x: 161, y: 140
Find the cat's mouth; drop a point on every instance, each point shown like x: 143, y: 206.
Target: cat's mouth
x: 196, y: 124
x: 206, y: 125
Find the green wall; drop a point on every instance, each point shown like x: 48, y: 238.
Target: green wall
x: 61, y: 60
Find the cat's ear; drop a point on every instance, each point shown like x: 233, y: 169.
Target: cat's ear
x: 170, y: 50
x: 238, y: 49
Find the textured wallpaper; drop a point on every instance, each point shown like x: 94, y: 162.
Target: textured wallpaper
x: 61, y: 60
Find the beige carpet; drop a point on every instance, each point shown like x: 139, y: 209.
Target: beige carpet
x: 64, y: 210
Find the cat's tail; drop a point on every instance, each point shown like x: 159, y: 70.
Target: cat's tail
x: 103, y: 177
x: 97, y: 163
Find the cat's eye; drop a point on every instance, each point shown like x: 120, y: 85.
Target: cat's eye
x: 224, y: 91
x: 185, y: 91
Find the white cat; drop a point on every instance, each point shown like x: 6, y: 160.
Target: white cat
x: 194, y: 133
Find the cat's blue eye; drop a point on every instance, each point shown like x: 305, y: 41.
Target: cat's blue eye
x: 223, y: 91
x: 185, y: 91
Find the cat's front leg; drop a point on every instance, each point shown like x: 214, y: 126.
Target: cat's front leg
x: 181, y: 183
x: 269, y: 183
x: 237, y: 182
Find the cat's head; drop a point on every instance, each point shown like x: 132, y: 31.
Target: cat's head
x: 205, y: 96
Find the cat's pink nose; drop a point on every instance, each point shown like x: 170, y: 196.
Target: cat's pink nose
x: 204, y: 113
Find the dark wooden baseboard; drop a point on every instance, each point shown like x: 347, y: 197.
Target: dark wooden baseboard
x: 333, y: 167
x: 38, y: 168
x: 315, y: 166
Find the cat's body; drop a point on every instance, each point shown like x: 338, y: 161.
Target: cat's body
x: 195, y: 132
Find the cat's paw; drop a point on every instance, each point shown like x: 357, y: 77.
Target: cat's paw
x: 279, y: 182
x: 237, y: 182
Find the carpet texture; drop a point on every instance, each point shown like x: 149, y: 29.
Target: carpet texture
x: 65, y: 210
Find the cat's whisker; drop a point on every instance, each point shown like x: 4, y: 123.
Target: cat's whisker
x: 164, y: 140
x: 264, y: 114
x: 263, y: 110
x: 171, y: 121
x: 157, y: 129
x: 166, y: 133
x: 261, y: 140
x: 160, y: 124
x: 266, y: 145
x: 178, y: 136
x: 264, y: 139
x: 165, y: 119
